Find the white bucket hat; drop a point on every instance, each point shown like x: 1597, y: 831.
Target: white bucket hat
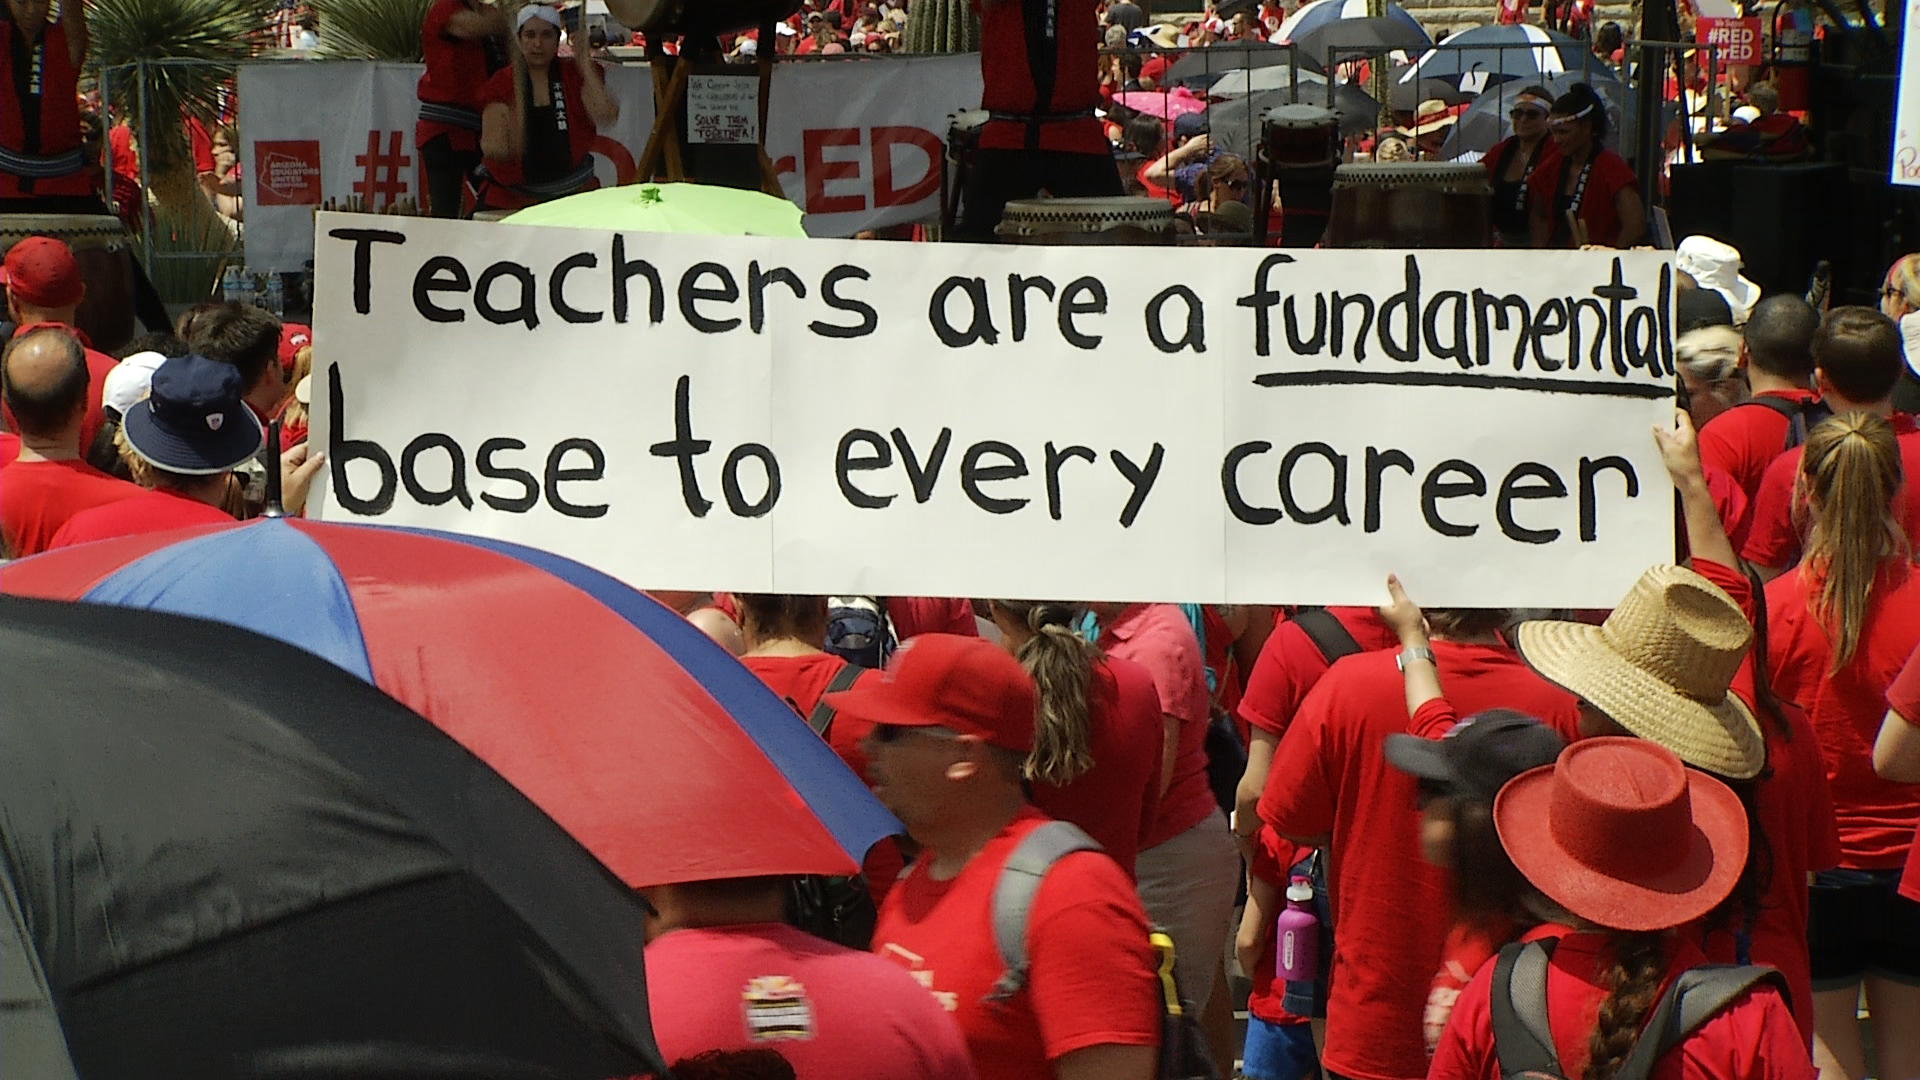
x: 1716, y: 266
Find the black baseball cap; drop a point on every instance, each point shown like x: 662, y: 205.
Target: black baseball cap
x: 1479, y: 755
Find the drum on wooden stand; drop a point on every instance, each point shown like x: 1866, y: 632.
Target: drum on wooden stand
x: 1299, y: 150
x: 104, y: 251
x: 1119, y: 221
x: 1411, y: 204
x: 963, y: 144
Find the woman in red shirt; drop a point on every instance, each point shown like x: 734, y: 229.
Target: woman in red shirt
x: 783, y: 635
x: 1839, y: 627
x: 1591, y: 197
x: 538, y: 118
x: 464, y: 42
x: 1624, y: 844
x: 1096, y: 745
x: 1514, y: 161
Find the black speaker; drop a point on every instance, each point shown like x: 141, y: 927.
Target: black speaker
x: 1697, y: 202
x: 1784, y: 221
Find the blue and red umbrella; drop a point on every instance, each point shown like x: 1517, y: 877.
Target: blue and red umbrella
x: 647, y: 742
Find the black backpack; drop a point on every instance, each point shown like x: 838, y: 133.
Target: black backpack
x: 1802, y: 416
x: 858, y: 631
x: 839, y: 909
x: 1327, y: 633
x: 1524, y: 1045
x: 1183, y: 1046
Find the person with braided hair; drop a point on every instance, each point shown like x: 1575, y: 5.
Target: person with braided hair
x: 1096, y: 742
x: 1622, y: 843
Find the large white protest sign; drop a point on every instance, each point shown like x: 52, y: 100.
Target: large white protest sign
x: 857, y: 143
x: 1090, y: 423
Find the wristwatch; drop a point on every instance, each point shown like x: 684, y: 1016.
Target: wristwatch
x: 1413, y: 652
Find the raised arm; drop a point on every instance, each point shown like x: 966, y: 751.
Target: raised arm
x: 601, y: 105
x: 1680, y: 449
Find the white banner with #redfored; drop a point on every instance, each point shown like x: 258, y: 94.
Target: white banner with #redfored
x: 857, y: 143
x: 830, y: 416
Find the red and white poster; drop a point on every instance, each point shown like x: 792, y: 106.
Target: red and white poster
x: 857, y: 143
x: 1736, y: 40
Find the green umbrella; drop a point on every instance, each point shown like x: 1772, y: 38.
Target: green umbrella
x: 669, y: 208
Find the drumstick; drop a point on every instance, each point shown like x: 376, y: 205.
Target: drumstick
x: 1577, y: 229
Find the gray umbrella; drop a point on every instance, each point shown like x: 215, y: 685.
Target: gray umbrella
x: 1235, y: 124
x: 1485, y: 122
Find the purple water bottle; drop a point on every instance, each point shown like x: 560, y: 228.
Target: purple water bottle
x: 1296, y: 949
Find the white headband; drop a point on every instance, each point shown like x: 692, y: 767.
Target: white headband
x: 537, y: 11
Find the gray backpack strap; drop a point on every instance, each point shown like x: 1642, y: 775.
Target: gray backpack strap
x: 1526, y: 996
x: 1013, y: 896
x: 1692, y: 1000
x: 821, y: 718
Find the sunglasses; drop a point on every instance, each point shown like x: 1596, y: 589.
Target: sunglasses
x: 890, y: 733
x: 1526, y: 112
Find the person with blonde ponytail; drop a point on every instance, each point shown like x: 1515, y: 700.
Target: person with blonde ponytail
x: 1840, y: 625
x: 1096, y: 740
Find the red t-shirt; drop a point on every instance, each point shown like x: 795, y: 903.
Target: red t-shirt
x: 799, y: 681
x: 915, y: 615
x: 37, y: 497
x: 1090, y: 978
x: 157, y: 510
x: 1772, y: 539
x: 1876, y: 817
x: 1468, y: 948
x: 1116, y: 800
x: 1903, y: 697
x: 1391, y: 909
x: 9, y: 447
x: 98, y: 365
x: 1159, y: 638
x: 1745, y: 439
x: 1753, y: 1038
x: 1610, y: 174
x: 456, y: 69
x: 1290, y: 663
x: 1795, y: 811
x: 1034, y: 66
x: 1730, y: 503
x: 768, y: 986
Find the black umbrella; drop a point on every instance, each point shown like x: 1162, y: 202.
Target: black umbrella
x: 226, y: 857
x: 1407, y: 96
x: 1486, y: 122
x: 1234, y: 125
x: 1215, y: 60
x: 1354, y: 39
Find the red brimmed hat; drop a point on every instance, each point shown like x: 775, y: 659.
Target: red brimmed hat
x: 1621, y: 834
x: 964, y: 684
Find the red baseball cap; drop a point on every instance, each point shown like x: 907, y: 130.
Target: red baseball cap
x: 964, y: 684
x: 1155, y: 68
x: 293, y: 337
x: 41, y: 271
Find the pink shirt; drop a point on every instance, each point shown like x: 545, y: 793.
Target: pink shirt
x: 1159, y: 638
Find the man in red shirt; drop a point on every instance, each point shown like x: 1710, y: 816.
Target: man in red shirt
x: 1331, y: 785
x: 193, y: 429
x: 1857, y: 359
x: 45, y: 384
x: 44, y: 288
x: 1039, y: 66
x: 724, y: 972
x: 1776, y: 351
x: 954, y: 719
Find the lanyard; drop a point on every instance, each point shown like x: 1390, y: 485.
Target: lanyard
x: 1533, y: 159
x: 1580, y: 186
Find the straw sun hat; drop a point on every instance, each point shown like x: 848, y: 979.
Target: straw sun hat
x: 1660, y: 667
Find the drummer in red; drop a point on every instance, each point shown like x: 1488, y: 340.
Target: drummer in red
x: 41, y: 158
x: 465, y: 42
x: 538, y: 118
x: 1040, y: 71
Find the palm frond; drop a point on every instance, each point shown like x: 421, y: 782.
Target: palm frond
x: 181, y: 53
x: 371, y: 29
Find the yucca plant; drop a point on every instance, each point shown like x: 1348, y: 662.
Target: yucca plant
x: 163, y: 60
x: 371, y: 29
